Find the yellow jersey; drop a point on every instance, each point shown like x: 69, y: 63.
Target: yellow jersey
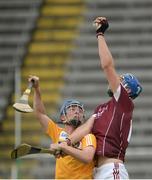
x: 69, y: 167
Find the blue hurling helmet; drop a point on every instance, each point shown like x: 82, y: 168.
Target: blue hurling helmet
x: 65, y: 106
x: 130, y: 81
x: 68, y: 103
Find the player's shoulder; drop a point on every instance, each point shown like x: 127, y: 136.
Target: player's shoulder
x: 89, y: 140
x: 53, y: 128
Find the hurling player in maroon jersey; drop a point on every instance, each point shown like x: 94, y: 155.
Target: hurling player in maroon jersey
x: 111, y: 122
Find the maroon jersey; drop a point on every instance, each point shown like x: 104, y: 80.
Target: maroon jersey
x: 112, y: 126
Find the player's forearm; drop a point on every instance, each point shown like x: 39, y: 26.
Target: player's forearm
x: 81, y: 155
x: 38, y: 104
x: 104, y: 53
x: 107, y: 64
x: 78, y: 134
x: 81, y: 131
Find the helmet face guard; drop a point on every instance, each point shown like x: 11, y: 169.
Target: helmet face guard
x: 63, y: 111
x: 131, y: 82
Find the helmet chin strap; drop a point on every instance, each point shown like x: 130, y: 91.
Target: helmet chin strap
x: 75, y: 123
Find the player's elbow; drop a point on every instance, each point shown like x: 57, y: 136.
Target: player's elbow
x: 38, y: 114
x: 88, y: 159
x: 89, y: 154
x: 107, y: 65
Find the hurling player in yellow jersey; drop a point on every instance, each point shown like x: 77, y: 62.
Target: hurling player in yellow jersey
x: 78, y: 163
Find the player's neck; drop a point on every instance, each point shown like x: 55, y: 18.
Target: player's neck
x: 69, y: 129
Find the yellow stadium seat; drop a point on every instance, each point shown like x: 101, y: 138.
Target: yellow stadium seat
x: 62, y: 10
x: 43, y: 61
x: 71, y: 22
x: 55, y: 35
x: 64, y: 1
x: 49, y: 47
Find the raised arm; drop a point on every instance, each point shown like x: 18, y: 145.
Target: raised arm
x: 38, y: 105
x: 106, y: 59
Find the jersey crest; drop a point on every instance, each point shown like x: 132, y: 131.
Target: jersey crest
x: 63, y: 136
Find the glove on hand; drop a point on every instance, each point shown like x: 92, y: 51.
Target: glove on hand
x: 102, y: 25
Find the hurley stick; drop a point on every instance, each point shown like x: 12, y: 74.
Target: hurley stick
x: 22, y: 105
